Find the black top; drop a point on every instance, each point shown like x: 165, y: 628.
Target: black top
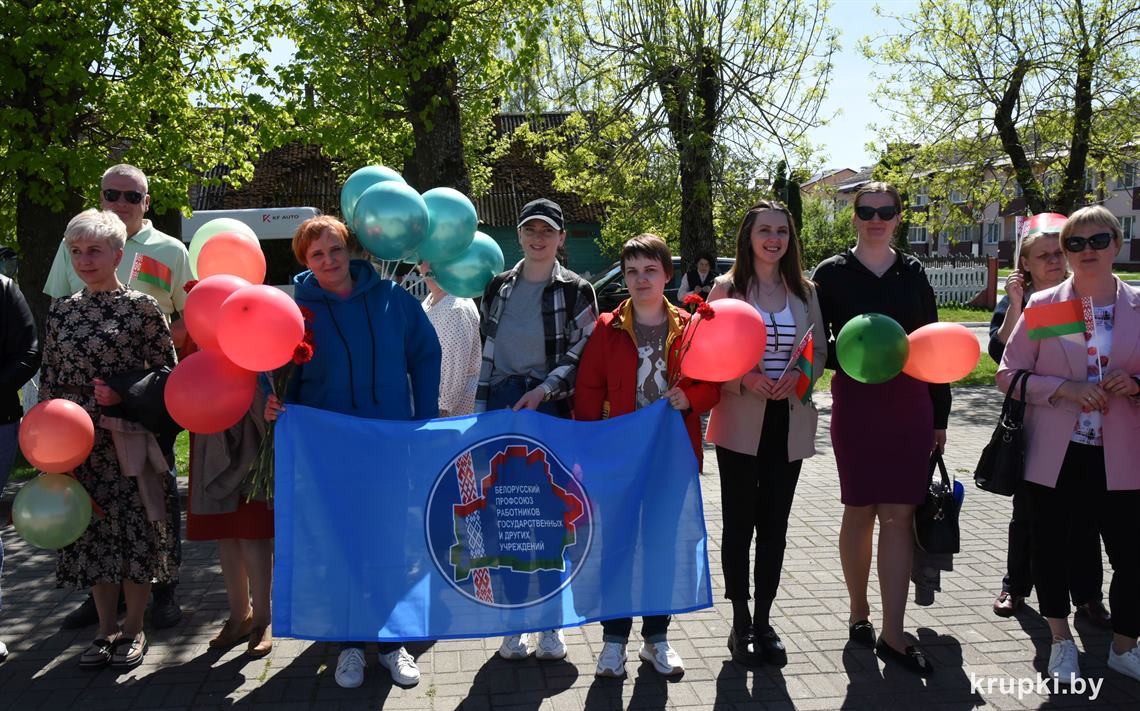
x: 19, y: 349
x: 847, y: 289
x: 996, y: 347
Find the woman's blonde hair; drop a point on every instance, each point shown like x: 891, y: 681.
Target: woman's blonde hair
x: 1092, y: 215
x: 98, y: 225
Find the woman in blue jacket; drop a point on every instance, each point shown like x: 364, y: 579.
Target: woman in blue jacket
x: 372, y: 341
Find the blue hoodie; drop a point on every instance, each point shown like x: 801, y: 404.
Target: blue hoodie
x: 366, y: 348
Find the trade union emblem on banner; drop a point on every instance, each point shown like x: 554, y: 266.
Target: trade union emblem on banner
x: 508, y: 525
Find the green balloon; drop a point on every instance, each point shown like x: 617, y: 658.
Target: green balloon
x: 215, y: 226
x: 872, y: 348
x: 51, y: 511
x: 468, y: 274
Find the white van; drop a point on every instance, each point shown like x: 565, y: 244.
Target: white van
x: 274, y: 226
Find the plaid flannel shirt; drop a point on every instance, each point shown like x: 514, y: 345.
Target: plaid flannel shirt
x: 565, y: 337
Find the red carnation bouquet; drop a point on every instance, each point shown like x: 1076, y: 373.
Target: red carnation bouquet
x: 694, y: 304
x: 262, y: 473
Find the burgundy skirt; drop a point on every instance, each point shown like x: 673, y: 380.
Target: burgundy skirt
x: 882, y: 436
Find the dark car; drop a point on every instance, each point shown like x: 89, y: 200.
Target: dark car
x: 611, y: 289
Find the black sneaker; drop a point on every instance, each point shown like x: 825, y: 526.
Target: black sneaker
x: 164, y: 611
x: 83, y: 616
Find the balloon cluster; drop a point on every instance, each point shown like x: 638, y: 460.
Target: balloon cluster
x: 874, y: 348
x: 53, y: 510
x: 394, y: 222
x: 241, y: 326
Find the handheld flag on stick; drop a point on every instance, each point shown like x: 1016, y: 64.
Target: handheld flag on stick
x: 1051, y: 320
x: 803, y: 357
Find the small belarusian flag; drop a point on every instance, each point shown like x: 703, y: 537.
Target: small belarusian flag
x: 1051, y: 320
x: 151, y: 271
x: 803, y: 358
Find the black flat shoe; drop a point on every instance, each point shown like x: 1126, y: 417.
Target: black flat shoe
x: 862, y: 632
x: 744, y: 647
x: 912, y: 659
x: 771, y: 649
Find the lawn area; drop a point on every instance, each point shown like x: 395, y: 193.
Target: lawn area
x: 964, y: 314
x: 983, y: 374
x: 22, y: 471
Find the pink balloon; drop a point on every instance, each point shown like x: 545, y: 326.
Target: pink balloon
x: 206, y: 393
x: 231, y: 253
x: 942, y: 353
x: 57, y: 435
x: 726, y: 346
x: 259, y: 326
x: 203, y: 304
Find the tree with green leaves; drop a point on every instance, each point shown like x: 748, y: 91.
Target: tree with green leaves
x: 711, y: 82
x: 83, y: 85
x: 999, y: 97
x: 410, y: 83
x: 826, y: 232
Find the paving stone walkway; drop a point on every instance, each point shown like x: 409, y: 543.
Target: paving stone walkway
x: 959, y: 633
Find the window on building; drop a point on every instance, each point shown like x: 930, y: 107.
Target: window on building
x: 1050, y: 182
x: 1127, y: 177
x: 1090, y: 180
x: 993, y: 232
x: 921, y: 196
x: 1128, y: 226
x: 957, y: 196
x: 917, y: 235
x: 1018, y: 191
x: 963, y: 234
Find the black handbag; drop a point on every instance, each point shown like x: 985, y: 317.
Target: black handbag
x: 936, y: 518
x: 1002, y: 464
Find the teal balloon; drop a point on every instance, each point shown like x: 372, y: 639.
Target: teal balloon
x: 360, y: 181
x: 51, y: 511
x: 872, y: 348
x: 451, y: 225
x: 468, y: 274
x: 391, y: 220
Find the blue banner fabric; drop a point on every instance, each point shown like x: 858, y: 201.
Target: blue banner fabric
x: 498, y: 523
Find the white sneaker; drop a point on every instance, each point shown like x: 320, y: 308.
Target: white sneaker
x: 1127, y: 664
x: 517, y: 646
x: 1063, y: 662
x: 350, y: 668
x: 402, y: 666
x: 611, y: 662
x: 663, y: 658
x: 551, y: 645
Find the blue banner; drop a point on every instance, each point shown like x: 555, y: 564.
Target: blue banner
x: 493, y: 524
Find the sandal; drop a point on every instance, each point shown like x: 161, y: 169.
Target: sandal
x: 98, y: 655
x: 260, y: 641
x: 912, y: 659
x: 128, y: 652
x: 232, y: 632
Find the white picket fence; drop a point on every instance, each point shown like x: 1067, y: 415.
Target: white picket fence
x: 956, y: 281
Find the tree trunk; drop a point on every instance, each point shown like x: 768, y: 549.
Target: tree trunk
x: 437, y: 158
x: 1073, y: 186
x: 697, y: 233
x: 1035, y: 198
x: 38, y: 232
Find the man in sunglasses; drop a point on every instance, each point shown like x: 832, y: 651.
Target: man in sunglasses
x: 124, y: 191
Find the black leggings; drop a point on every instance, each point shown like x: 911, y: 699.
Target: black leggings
x: 756, y: 495
x: 1081, y: 491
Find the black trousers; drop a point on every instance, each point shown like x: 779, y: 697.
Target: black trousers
x: 756, y: 493
x: 653, y: 628
x: 1085, y: 569
x: 1081, y: 491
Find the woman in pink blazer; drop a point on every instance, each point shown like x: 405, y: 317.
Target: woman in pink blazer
x: 1082, y: 428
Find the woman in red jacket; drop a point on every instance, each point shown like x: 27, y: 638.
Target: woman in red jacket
x: 629, y: 362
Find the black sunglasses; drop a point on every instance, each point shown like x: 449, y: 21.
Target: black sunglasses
x: 1098, y: 242
x: 866, y: 213
x: 132, y: 196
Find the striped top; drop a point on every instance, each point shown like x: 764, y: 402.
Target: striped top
x: 781, y: 327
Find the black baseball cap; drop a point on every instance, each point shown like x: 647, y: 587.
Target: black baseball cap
x: 542, y: 209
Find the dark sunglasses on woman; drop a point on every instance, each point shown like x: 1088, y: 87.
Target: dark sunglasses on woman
x: 1098, y: 242
x: 131, y: 196
x: 866, y: 213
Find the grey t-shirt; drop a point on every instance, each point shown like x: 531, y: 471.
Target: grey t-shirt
x: 651, y: 365
x: 520, y: 343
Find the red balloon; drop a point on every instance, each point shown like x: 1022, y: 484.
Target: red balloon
x: 726, y: 346
x: 204, y: 303
x: 259, y: 326
x: 56, y: 436
x: 942, y: 353
x: 206, y: 393
x: 231, y: 253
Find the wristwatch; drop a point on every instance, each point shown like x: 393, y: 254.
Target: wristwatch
x: 546, y: 392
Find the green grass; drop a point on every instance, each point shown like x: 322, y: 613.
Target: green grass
x: 22, y: 471
x: 964, y: 314
x: 1125, y: 276
x: 983, y: 374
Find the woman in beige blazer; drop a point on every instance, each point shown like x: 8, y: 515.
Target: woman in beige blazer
x: 761, y: 428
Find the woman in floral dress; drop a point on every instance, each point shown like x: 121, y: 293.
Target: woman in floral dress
x: 105, y: 330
